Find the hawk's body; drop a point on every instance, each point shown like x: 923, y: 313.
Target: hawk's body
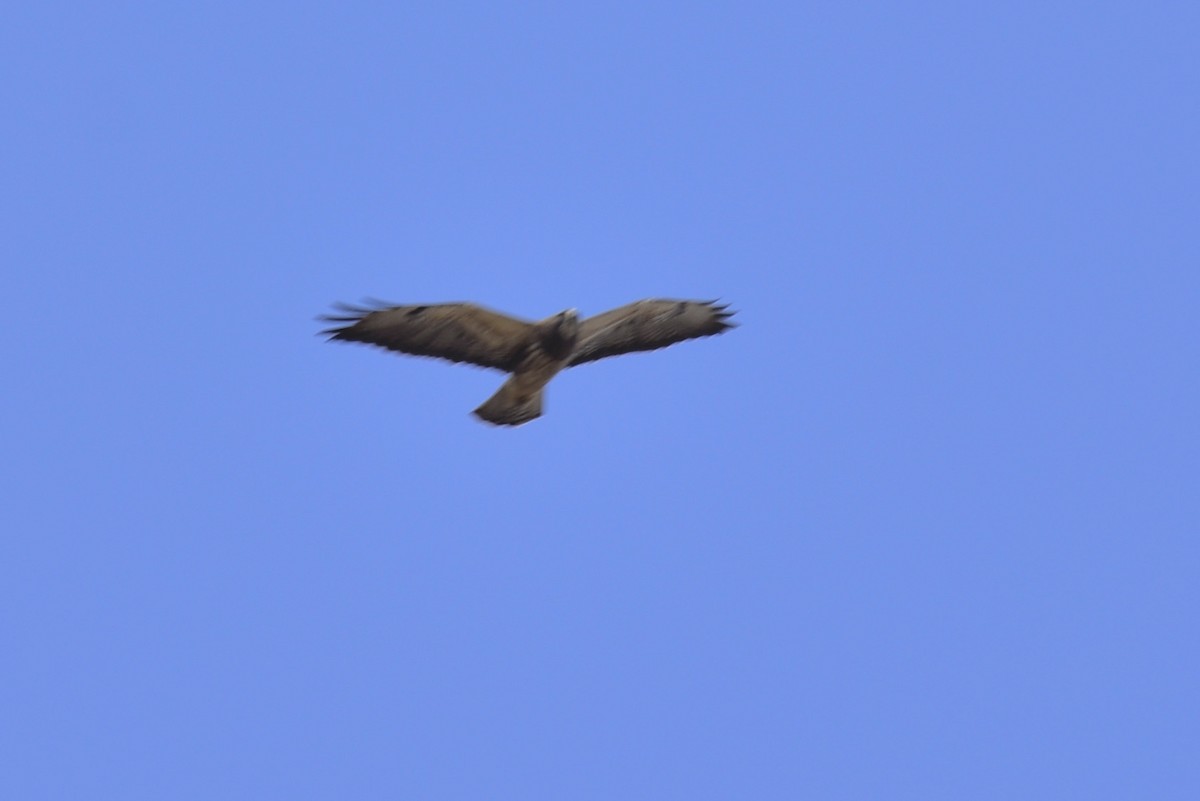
x: 532, y: 352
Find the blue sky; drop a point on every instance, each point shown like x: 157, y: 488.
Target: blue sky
x: 923, y: 527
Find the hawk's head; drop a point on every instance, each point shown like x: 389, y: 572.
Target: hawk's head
x: 568, y: 324
x: 560, y: 333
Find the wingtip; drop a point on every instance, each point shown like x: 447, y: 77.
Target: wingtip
x: 367, y: 306
x: 347, y: 314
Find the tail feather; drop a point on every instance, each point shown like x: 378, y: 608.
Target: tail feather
x: 510, y: 407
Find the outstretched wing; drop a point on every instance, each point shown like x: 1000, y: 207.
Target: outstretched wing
x: 648, y: 325
x: 460, y: 332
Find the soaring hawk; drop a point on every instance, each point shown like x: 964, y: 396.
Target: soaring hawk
x: 532, y: 353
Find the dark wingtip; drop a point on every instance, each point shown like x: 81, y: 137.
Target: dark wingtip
x: 349, y: 311
x: 723, y: 315
x: 345, y: 313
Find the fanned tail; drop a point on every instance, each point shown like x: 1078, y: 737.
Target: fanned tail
x: 511, y: 407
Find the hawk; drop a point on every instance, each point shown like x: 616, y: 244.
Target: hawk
x: 531, y: 352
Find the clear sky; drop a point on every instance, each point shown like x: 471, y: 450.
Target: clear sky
x: 924, y: 527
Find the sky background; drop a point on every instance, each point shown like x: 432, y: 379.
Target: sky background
x: 924, y: 527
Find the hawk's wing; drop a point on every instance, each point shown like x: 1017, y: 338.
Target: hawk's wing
x: 648, y: 325
x: 460, y: 332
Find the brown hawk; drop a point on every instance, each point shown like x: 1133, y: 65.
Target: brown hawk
x: 532, y: 353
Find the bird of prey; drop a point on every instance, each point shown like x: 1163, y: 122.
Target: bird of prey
x: 531, y: 352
